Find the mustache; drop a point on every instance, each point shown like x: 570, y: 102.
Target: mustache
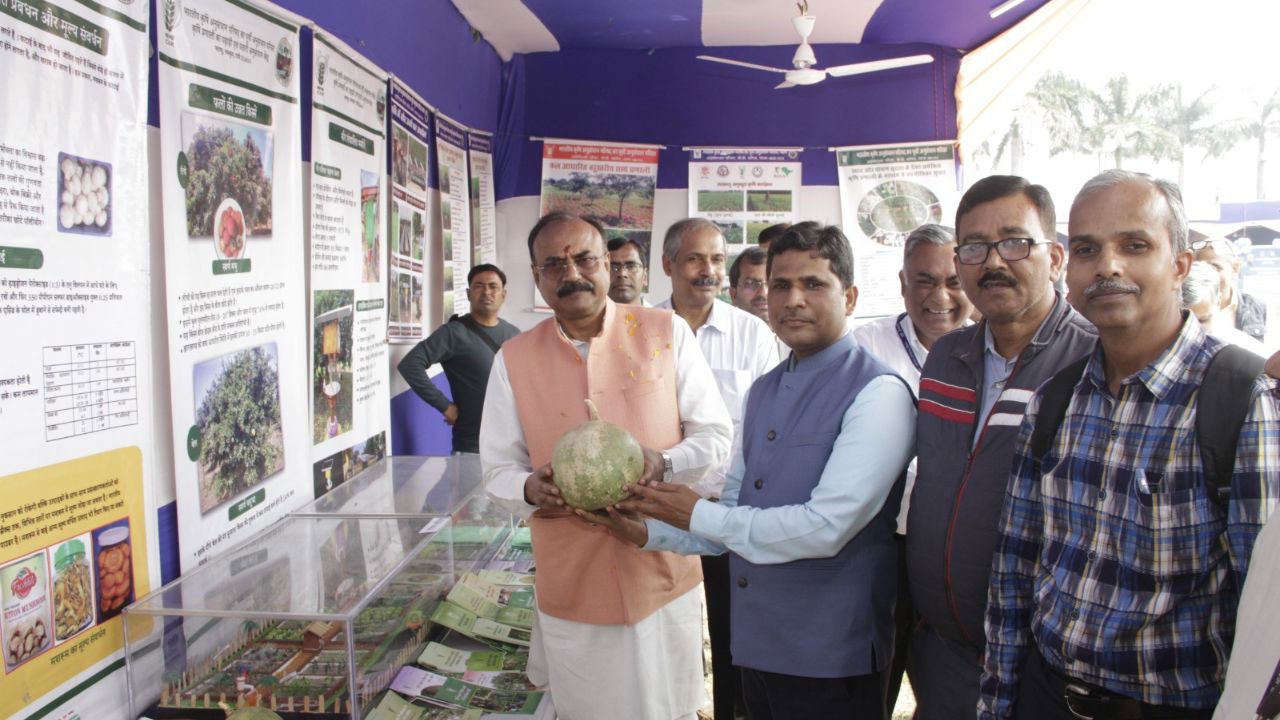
x: 993, y: 277
x: 1108, y: 286
x: 705, y: 281
x: 570, y: 288
x: 786, y: 317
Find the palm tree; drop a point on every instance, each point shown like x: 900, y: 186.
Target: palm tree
x: 1265, y: 121
x: 1190, y: 125
x: 1115, y: 121
x: 1011, y: 140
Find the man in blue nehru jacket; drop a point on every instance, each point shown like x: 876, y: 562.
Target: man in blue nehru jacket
x: 808, y: 509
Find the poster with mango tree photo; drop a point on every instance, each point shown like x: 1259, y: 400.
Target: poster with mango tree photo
x: 235, y: 266
x: 611, y: 182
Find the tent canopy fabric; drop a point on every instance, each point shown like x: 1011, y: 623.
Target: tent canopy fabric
x: 531, y: 26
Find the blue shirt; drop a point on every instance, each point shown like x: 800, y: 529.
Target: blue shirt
x: 995, y: 372
x: 876, y: 440
x: 1114, y: 558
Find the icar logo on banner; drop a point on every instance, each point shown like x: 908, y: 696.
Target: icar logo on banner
x: 886, y: 191
x: 744, y: 191
x: 350, y: 390
x: 78, y: 477
x: 611, y: 182
x: 235, y: 258
x: 410, y: 146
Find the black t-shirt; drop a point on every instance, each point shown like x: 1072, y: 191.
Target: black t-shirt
x: 467, y: 360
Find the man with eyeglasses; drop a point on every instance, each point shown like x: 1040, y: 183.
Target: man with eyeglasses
x: 739, y: 347
x: 1245, y: 312
x: 973, y: 390
x: 628, y: 272
x: 1125, y: 538
x: 935, y: 305
x: 618, y: 632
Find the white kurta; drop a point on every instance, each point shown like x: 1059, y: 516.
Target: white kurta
x: 651, y: 670
x: 740, y: 348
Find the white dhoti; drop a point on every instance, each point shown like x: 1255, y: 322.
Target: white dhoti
x: 648, y: 671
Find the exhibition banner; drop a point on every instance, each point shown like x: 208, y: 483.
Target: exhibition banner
x: 886, y: 191
x: 484, y: 211
x: 350, y: 390
x: 455, y: 214
x: 744, y: 190
x: 611, y: 182
x: 235, y: 256
x: 77, y: 483
x: 410, y: 146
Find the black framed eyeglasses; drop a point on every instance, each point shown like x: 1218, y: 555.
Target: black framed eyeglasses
x: 1014, y: 248
x: 555, y: 267
x: 631, y: 266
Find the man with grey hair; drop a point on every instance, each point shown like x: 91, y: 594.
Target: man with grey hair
x: 1240, y: 309
x: 1115, y: 581
x: 739, y: 347
x: 1202, y: 296
x: 935, y: 305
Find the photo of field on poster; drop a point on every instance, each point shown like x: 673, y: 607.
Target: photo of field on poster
x: 400, y: 300
x: 769, y: 201
x: 237, y: 401
x: 415, y: 300
x: 732, y: 231
x: 371, y: 243
x: 754, y: 228
x: 228, y: 186
x: 720, y: 201
x: 446, y: 215
x: 616, y: 200
x: 331, y: 346
x: 445, y: 184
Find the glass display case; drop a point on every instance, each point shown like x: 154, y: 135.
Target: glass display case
x: 403, y: 485
x: 312, y: 618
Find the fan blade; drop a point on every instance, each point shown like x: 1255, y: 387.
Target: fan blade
x: 878, y: 65
x: 739, y: 63
x: 784, y: 84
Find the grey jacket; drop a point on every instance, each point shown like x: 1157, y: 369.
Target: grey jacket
x: 959, y: 493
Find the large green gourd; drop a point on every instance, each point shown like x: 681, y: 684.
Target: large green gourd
x: 594, y: 461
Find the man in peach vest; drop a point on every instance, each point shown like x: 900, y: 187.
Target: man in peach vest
x: 619, y: 631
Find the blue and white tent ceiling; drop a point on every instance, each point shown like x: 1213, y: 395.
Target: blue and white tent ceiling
x: 532, y: 26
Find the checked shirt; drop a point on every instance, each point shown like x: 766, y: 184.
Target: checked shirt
x: 1117, y: 562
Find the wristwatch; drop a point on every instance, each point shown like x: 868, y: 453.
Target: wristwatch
x: 667, y: 473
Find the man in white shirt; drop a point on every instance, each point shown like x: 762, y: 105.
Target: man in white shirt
x: 936, y: 305
x: 739, y: 347
x: 602, y: 651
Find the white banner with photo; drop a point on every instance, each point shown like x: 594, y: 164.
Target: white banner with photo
x: 484, y: 212
x: 744, y: 191
x: 235, y: 258
x: 455, y: 214
x: 350, y: 388
x: 410, y: 148
x: 78, y: 483
x: 613, y: 183
x: 886, y: 191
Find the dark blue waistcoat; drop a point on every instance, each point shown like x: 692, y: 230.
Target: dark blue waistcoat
x: 821, y: 617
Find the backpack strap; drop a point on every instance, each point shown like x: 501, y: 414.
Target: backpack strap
x: 1055, y: 396
x: 470, y: 323
x: 1221, y: 406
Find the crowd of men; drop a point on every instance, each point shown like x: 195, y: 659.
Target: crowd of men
x: 1037, y: 491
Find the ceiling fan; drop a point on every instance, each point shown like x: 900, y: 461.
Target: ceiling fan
x: 804, y: 73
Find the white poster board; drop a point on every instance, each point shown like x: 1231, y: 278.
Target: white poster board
x: 235, y: 257
x: 349, y: 388
x: 744, y: 190
x: 410, y: 158
x: 77, y: 482
x: 455, y: 214
x: 886, y: 191
x: 484, y: 211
